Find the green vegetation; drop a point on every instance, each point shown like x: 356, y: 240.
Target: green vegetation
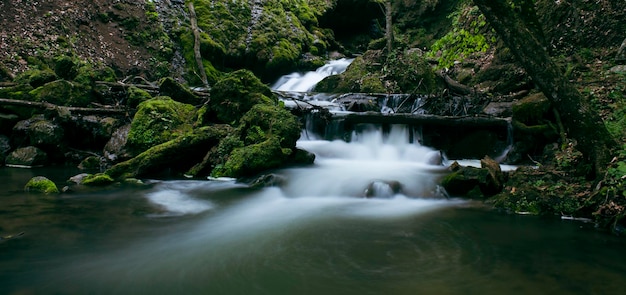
x: 99, y: 179
x: 41, y: 184
x: 468, y: 36
x: 159, y: 120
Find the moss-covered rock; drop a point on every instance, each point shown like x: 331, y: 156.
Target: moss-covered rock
x: 177, y: 155
x: 87, y: 74
x: 136, y: 96
x: 63, y: 93
x: 265, y: 121
x: 90, y: 163
x: 40, y: 184
x: 29, y: 156
x: 474, y: 182
x: 252, y: 159
x: 169, y: 87
x: 236, y: 94
x: 159, y: 120
x: 36, y: 77
x: 99, y: 179
x: 66, y: 67
x: 531, y: 109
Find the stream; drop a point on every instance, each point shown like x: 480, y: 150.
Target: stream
x: 366, y: 218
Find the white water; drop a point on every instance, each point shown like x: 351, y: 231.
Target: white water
x: 298, y: 82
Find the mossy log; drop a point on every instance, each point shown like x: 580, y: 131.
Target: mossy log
x: 178, y: 154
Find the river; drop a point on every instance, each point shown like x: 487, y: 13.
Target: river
x: 366, y: 218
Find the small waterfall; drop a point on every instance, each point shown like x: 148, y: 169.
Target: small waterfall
x: 299, y: 82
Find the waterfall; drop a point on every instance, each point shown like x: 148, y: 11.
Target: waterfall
x: 299, y: 82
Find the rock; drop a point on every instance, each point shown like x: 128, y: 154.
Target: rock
x: 99, y: 179
x: 268, y: 180
x: 90, y: 132
x: 235, y: 95
x: 90, y: 163
x: 263, y: 121
x: 383, y: 189
x: 252, y: 159
x: 158, y: 120
x: 620, y: 57
x: 169, y: 87
x: 63, y: 93
x: 531, y: 109
x: 499, y: 109
x: 45, y: 133
x: 115, y: 150
x: 40, y: 184
x: 77, y: 179
x: 176, y: 155
x: 27, y: 157
x: 136, y: 96
x: 474, y: 182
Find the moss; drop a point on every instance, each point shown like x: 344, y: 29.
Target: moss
x: 36, y: 77
x: 41, y: 184
x: 159, y: 120
x: 88, y: 74
x: 253, y: 159
x: 63, y: 93
x: 90, y: 163
x: 99, y: 179
x: 236, y: 93
x: 178, y: 154
x: 136, y: 96
x: 372, y: 84
x: 531, y: 109
x: 176, y: 91
x: 264, y: 121
x: 66, y: 67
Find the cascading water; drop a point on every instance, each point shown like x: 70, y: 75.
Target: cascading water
x: 298, y: 82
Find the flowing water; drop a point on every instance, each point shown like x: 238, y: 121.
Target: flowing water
x: 366, y: 218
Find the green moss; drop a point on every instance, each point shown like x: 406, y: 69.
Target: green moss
x: 253, y: 159
x: 36, y: 78
x: 265, y: 121
x: 531, y: 109
x: 372, y: 84
x: 63, y: 93
x: 136, y: 96
x: 236, y: 93
x: 159, y: 120
x: 176, y: 91
x: 66, y: 67
x: 41, y: 184
x: 87, y: 74
x: 99, y: 179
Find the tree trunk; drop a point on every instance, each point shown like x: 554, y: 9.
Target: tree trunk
x: 388, y: 26
x: 196, y: 45
x: 581, y: 121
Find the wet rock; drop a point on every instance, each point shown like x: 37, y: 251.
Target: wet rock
x: 115, y: 150
x: 77, y: 179
x: 383, y: 189
x: 45, y: 133
x: 27, y: 157
x: 252, y: 159
x: 99, y: 179
x: 531, y: 109
x: 474, y: 182
x: 499, y: 109
x: 268, y: 180
x: 40, y: 184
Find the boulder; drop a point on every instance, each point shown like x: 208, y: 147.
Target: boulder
x: 474, y: 182
x: 115, y: 149
x: 158, y: 120
x: 63, y: 93
x: 169, y: 87
x: 253, y: 159
x: 263, y: 121
x: 90, y: 163
x: 531, y: 109
x: 383, y: 189
x: 77, y: 179
x: 235, y: 95
x: 28, y: 157
x: 99, y: 179
x: 40, y: 184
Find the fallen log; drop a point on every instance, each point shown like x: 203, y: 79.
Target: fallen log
x: 46, y: 105
x: 420, y: 119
